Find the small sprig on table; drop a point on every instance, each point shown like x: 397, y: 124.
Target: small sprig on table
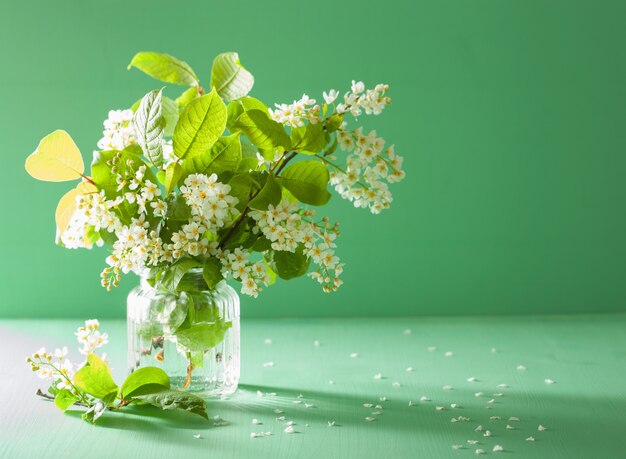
x: 91, y: 386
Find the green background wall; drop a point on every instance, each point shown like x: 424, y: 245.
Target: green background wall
x: 511, y: 116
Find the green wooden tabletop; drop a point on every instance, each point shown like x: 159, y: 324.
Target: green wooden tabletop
x: 453, y: 361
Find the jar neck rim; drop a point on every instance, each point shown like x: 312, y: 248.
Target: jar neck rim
x: 192, y: 279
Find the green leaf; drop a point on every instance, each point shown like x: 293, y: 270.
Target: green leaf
x: 249, y: 160
x: 170, y: 114
x: 333, y: 146
x: 172, y: 277
x: 242, y: 187
x: 237, y: 107
x: 201, y: 337
x: 212, y: 272
x: 176, y: 314
x: 64, y: 399
x: 334, y: 122
x: 183, y: 100
x: 178, y: 209
x: 288, y: 265
x: 173, y: 173
x: 135, y: 106
x: 95, y: 411
x: 270, y: 272
x: 262, y: 131
x: 229, y: 78
x: 270, y: 194
x: 165, y: 68
x: 224, y: 155
x: 262, y: 244
x: 95, y: 378
x: 108, y: 237
x: 149, y: 125
x: 146, y: 380
x: 307, y: 181
x: 176, y: 400
x: 200, y: 125
x: 309, y: 138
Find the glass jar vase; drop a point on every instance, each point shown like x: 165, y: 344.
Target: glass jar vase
x: 193, y: 334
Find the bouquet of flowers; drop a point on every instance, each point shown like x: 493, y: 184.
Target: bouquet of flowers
x: 215, y: 184
x: 217, y: 180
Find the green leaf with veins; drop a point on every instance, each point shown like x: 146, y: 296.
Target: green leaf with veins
x: 224, y: 155
x: 176, y: 400
x: 200, y: 337
x: 183, y: 100
x: 288, y: 265
x: 270, y: 194
x: 170, y: 114
x: 308, y: 139
x: 212, y: 272
x: 333, y: 122
x: 149, y: 125
x: 262, y: 131
x: 249, y: 160
x: 237, y: 107
x: 165, y: 68
x: 173, y: 173
x: 95, y: 378
x: 242, y: 187
x: 201, y: 123
x: 307, y: 181
x: 173, y: 275
x: 64, y: 398
x: 146, y: 380
x: 178, y: 209
x: 229, y: 77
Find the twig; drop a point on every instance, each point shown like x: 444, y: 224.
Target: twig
x: 50, y: 397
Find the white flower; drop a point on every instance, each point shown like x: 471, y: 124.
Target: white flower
x: 295, y: 114
x: 331, y: 96
x: 92, y: 210
x: 118, y: 131
x: 159, y: 208
x: 209, y: 200
x: 150, y: 191
x: 286, y: 227
x: 357, y: 87
x: 47, y: 368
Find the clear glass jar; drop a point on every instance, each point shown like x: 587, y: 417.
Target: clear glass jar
x: 192, y: 335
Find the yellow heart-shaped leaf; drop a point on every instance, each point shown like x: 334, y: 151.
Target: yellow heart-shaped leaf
x: 56, y: 159
x: 67, y: 205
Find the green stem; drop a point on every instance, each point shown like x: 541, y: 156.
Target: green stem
x: 286, y: 159
x: 82, y: 397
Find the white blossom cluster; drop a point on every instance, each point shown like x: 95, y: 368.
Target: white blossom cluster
x: 52, y: 366
x: 296, y: 113
x: 135, y: 248
x: 92, y: 210
x: 359, y: 100
x: 251, y: 274
x: 57, y: 367
x: 287, y: 226
x: 90, y: 337
x: 209, y: 200
x: 118, y: 131
x: 370, y: 167
x: 142, y: 192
